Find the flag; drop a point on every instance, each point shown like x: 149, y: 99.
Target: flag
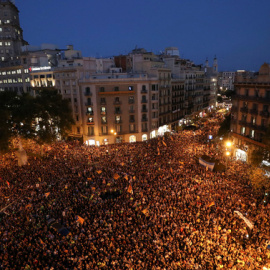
x: 158, y: 151
x: 171, y: 170
x: 164, y: 143
x: 47, y: 194
x: 248, y: 222
x: 79, y: 219
x: 28, y: 206
x: 134, y: 177
x: 211, y: 204
x: 145, y: 211
x: 171, y: 138
x: 122, y: 164
x: 41, y: 242
x: 116, y: 176
x: 89, y: 178
x: 99, y: 172
x: 126, y: 177
x: 130, y: 189
x: 8, y: 183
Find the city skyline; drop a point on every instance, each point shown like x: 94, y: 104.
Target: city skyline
x: 236, y: 32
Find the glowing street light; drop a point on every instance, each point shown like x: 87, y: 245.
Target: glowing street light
x: 228, y: 144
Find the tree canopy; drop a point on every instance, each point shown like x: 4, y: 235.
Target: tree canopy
x: 43, y: 118
x: 225, y: 126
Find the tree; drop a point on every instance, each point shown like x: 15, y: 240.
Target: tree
x: 53, y: 116
x: 44, y: 118
x: 224, y: 129
x: 260, y: 182
x: 219, y: 99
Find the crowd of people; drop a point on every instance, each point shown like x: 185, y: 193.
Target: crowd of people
x: 145, y: 205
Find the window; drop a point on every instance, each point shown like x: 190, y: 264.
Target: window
x: 90, y: 131
x: 103, y: 119
x: 90, y: 119
x: 265, y: 108
x: 131, y: 118
x: 103, y: 110
x: 246, y: 92
x: 78, y: 130
x: 131, y: 99
x: 131, y: 127
x: 252, y: 133
x: 253, y: 120
x: 90, y: 110
x: 130, y: 88
x: 101, y: 89
x: 102, y: 100
x: 243, y: 131
x: 75, y: 99
x: 116, y: 88
x: 268, y: 94
x: 117, y: 110
x: 87, y: 90
x: 263, y: 122
x: 89, y: 102
x: 117, y: 119
x: 104, y: 129
x: 77, y: 118
x: 118, y: 128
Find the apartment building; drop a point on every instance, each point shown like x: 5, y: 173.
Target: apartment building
x: 250, y: 111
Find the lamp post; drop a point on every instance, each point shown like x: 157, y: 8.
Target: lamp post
x: 227, y: 154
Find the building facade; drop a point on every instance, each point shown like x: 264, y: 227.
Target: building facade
x: 250, y: 111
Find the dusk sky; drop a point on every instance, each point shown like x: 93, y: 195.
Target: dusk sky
x: 236, y: 31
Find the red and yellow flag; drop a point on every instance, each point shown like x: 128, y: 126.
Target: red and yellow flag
x: 47, y: 194
x: 116, y: 176
x: 79, y: 219
x: 130, y: 190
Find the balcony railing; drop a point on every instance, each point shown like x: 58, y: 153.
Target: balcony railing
x: 89, y: 113
x: 144, y: 119
x: 144, y: 110
x: 143, y: 91
x: 253, y: 111
x: 131, y: 101
x: 118, y: 122
x: 87, y: 94
x: 253, y: 98
x: 243, y: 109
x: 103, y: 133
x: 103, y: 102
x: 90, y: 123
x: 131, y: 120
x: 103, y: 113
x: 131, y: 111
x: 144, y: 101
x: 144, y: 129
x: 264, y: 114
x: 117, y: 103
x: 88, y: 103
x: 117, y: 112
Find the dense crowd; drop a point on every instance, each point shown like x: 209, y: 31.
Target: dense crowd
x: 146, y: 205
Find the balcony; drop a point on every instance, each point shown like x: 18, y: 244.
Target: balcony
x: 131, y: 101
x: 117, y: 102
x: 87, y: 94
x: 90, y: 123
x: 90, y: 113
x: 144, y: 129
x: 131, y: 120
x: 253, y: 98
x: 103, y: 113
x: 243, y: 122
x: 88, y: 103
x: 117, y: 112
x: 144, y: 110
x: 118, y: 121
x: 131, y: 111
x: 103, y: 102
x: 103, y: 133
x: 144, y: 101
x: 264, y: 114
x: 244, y: 110
x: 253, y: 111
x: 143, y: 91
x: 144, y: 119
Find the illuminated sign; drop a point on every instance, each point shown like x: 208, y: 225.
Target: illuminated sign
x: 39, y: 68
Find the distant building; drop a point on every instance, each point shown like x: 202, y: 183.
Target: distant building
x: 250, y: 111
x: 226, y: 81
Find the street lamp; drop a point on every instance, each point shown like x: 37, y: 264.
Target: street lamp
x: 227, y: 154
x: 228, y: 144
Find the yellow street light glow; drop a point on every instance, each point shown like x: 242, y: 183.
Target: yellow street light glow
x: 115, y: 133
x: 112, y: 131
x: 228, y: 144
x: 228, y: 153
